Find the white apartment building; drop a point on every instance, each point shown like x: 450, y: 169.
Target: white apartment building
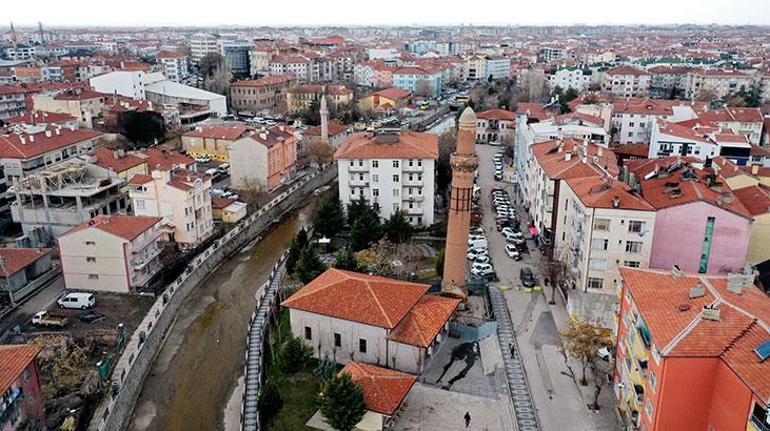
x: 259, y: 60
x: 498, y: 67
x: 175, y: 65
x: 632, y: 119
x: 300, y: 67
x: 626, y: 81
x: 742, y: 121
x: 571, y: 77
x: 719, y: 84
x: 125, y: 83
x: 111, y: 254
x: 602, y: 227
x: 394, y: 171
x: 202, y: 44
x: 182, y: 198
x: 476, y: 67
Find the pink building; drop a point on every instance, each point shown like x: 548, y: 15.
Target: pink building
x: 699, y: 224
x: 22, y: 399
x: 383, y: 77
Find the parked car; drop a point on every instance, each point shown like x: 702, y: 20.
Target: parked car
x: 512, y: 252
x: 479, y: 243
x: 202, y: 159
x: 44, y: 318
x: 212, y: 172
x: 90, y: 317
x: 481, y: 266
x: 527, y: 277
x: 487, y: 274
x: 82, y: 300
x: 224, y: 168
x: 481, y: 258
x: 604, y: 353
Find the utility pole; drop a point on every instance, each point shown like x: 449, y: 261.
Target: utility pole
x: 7, y: 281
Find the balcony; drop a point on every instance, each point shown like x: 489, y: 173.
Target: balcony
x: 414, y: 211
x: 413, y: 168
x: 139, y: 263
x: 412, y: 183
x: 356, y: 168
x: 755, y: 424
x: 359, y: 183
x: 640, y: 348
x: 414, y: 198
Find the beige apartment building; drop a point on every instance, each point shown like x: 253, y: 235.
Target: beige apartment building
x: 302, y: 96
x: 181, y: 197
x: 263, y: 95
x: 263, y: 159
x: 111, y: 253
x: 81, y: 104
x: 626, y: 82
x: 212, y: 141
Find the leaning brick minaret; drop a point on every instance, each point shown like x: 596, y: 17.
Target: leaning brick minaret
x: 464, y: 163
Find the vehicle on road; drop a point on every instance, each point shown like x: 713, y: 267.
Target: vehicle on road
x: 212, y: 172
x: 224, y: 168
x: 44, y: 318
x: 202, y: 160
x: 81, y: 300
x: 512, y: 252
x: 527, y: 277
x: 604, y: 353
x: 481, y: 258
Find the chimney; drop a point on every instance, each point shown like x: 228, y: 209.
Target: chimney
x: 711, y: 312
x: 47, y: 133
x: 31, y: 139
x: 600, y: 152
x: 616, y: 202
x: 754, y: 169
x: 23, y: 141
x: 568, y: 156
x: 58, y: 131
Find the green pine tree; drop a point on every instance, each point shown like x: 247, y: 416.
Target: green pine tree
x: 346, y: 260
x: 270, y: 402
x: 329, y: 219
x: 294, y: 355
x: 309, y: 265
x: 397, y: 228
x: 326, y: 369
x: 342, y: 402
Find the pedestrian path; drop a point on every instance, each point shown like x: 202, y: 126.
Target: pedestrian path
x: 526, y: 416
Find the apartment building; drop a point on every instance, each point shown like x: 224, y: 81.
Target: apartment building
x: 632, y: 119
x: 302, y: 96
x: 394, y: 171
x: 577, y: 78
x: 21, y: 388
x: 263, y: 95
x: 716, y: 84
x: 495, y: 125
x: 420, y: 81
x: 237, y: 57
x: 84, y: 105
x: 603, y: 226
x: 51, y: 201
x: 699, y: 224
x: 181, y: 197
x: 667, y: 81
x: 699, y: 141
x: 554, y: 162
x: 626, y: 81
x: 175, y: 65
x: 742, y: 121
x: 756, y: 199
x: 202, y: 44
x: 12, y: 101
x: 117, y: 254
x: 263, y: 159
x: 259, y: 59
x: 347, y: 316
x: 692, y: 352
x: 299, y: 67
x: 212, y: 141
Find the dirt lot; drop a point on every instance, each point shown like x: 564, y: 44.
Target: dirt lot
x: 127, y: 309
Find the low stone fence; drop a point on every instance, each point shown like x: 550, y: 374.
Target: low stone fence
x: 114, y: 413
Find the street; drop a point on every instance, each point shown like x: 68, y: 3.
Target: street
x: 559, y: 401
x: 40, y: 300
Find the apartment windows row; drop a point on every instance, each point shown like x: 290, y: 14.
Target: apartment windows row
x: 362, y: 347
x: 602, y: 244
x: 634, y: 226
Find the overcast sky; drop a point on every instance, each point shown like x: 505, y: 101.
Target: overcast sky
x: 384, y: 12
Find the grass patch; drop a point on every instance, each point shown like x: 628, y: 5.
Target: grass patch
x: 298, y: 391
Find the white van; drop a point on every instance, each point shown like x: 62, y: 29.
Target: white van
x: 81, y: 300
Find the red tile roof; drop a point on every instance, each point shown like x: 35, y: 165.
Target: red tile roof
x: 424, y: 321
x: 393, y: 93
x: 16, y: 259
x: 384, y: 389
x: 410, y: 145
x: 80, y: 95
x: 221, y: 203
x: 496, y: 114
x: 552, y: 158
x: 12, y: 146
x: 171, y: 54
x: 266, y: 81
x: 755, y: 198
x: 126, y: 227
x: 368, y: 299
x: 600, y: 192
x: 14, y: 359
x: 224, y: 132
x: 626, y: 70
x: 34, y: 117
x: 729, y: 114
x: 531, y: 110
x: 106, y: 158
x: 163, y: 158
x: 677, y: 327
x: 679, y: 174
x: 335, y: 128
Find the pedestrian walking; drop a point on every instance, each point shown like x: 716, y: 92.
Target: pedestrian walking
x: 467, y: 419
x: 512, y: 349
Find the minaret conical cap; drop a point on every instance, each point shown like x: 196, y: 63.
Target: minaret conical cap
x: 468, y: 119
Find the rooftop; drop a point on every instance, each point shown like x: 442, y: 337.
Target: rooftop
x: 397, y: 145
x: 424, y: 321
x: 126, y: 227
x: 14, y: 359
x: 16, y: 259
x: 384, y: 389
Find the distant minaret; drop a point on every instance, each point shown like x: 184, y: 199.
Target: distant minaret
x: 464, y: 163
x: 13, y: 38
x: 324, y: 111
x: 40, y: 30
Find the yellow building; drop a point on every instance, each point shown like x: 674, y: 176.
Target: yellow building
x: 389, y: 98
x: 212, y: 141
x: 302, y: 96
x: 756, y: 199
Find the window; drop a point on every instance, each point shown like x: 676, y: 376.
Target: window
x: 597, y: 264
x: 90, y: 243
x: 375, y: 178
x: 395, y: 207
x: 139, y: 204
x: 602, y: 224
x: 93, y: 276
x: 360, y: 162
x: 26, y: 375
x: 362, y: 345
x: 352, y: 163
x: 648, y: 408
x: 90, y: 259
x: 633, y: 246
x: 375, y: 192
x: 595, y: 283
x: 375, y: 163
x: 599, y: 244
x: 337, y: 340
x: 653, y: 382
x: 395, y: 192
x: 308, y: 333
x: 395, y: 163
x: 635, y: 226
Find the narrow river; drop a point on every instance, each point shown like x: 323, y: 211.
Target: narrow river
x: 198, y: 368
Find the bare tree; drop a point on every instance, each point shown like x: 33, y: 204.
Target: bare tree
x: 425, y: 88
x: 320, y: 152
x: 554, y: 271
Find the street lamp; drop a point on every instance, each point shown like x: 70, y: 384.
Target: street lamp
x: 7, y: 281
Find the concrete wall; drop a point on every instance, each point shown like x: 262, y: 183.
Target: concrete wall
x: 114, y: 413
